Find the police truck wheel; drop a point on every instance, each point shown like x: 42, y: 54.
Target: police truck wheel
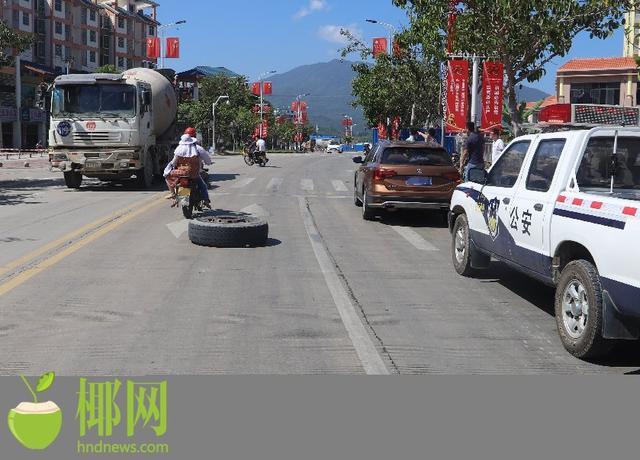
x: 229, y: 231
x: 73, y: 179
x: 461, y: 246
x: 578, y: 309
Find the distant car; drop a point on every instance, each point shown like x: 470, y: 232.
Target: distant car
x: 404, y: 175
x: 333, y: 146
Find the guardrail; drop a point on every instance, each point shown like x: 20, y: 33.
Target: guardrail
x: 9, y: 154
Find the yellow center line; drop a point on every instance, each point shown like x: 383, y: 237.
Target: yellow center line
x: 55, y: 258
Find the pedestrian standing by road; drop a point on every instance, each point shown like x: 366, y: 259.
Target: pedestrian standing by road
x: 430, y: 137
x: 261, y: 146
x: 473, y: 151
x: 497, y: 147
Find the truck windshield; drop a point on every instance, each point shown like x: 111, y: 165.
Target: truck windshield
x: 596, y: 166
x: 109, y: 101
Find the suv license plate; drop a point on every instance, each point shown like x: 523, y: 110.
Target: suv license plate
x: 419, y: 181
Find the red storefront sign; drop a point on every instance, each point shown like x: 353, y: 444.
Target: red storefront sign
x: 267, y: 88
x: 255, y: 88
x: 173, y: 47
x: 153, y: 48
x: 492, y: 95
x: 379, y: 46
x: 457, y: 95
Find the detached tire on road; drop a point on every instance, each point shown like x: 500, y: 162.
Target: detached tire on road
x: 579, y: 308
x: 229, y: 231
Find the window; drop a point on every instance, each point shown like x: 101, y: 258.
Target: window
x: 92, y: 15
x: 92, y: 36
x: 57, y: 5
x: 121, y: 23
x: 26, y: 20
x: 544, y: 164
x: 152, y: 30
x: 416, y: 156
x: 121, y: 42
x: 121, y: 62
x: 92, y: 56
x: 506, y: 171
x: 597, y: 164
x: 58, y: 28
x: 58, y: 50
x: 595, y: 93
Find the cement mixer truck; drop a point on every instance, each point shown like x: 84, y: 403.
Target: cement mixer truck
x: 112, y: 126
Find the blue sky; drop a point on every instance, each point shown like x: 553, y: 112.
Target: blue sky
x: 253, y: 36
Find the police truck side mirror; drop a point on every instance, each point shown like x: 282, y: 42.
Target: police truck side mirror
x: 357, y: 159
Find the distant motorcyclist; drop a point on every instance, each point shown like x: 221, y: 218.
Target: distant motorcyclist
x: 189, y: 156
x: 261, y: 147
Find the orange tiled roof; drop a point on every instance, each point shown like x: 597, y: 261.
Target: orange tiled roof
x: 551, y: 100
x: 610, y: 63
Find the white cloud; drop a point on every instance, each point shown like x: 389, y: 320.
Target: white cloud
x: 332, y: 33
x: 312, y: 7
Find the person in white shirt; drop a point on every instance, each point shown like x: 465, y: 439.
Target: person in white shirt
x: 261, y: 147
x: 497, y: 147
x: 189, y: 149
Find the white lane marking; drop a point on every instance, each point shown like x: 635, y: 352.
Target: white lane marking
x: 243, y: 182
x: 274, y: 184
x: 339, y: 186
x: 178, y: 227
x: 414, y: 238
x: 256, y: 210
x: 365, y: 349
x: 306, y: 185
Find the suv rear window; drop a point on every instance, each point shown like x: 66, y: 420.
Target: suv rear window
x: 416, y: 156
x: 595, y: 168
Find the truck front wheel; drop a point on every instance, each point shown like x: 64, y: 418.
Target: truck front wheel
x: 73, y: 179
x: 578, y: 309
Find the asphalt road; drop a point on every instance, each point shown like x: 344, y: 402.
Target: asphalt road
x: 104, y: 281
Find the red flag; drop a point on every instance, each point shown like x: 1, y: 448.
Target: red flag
x: 492, y: 95
x: 173, y: 48
x: 379, y: 46
x: 255, y: 88
x: 457, y: 95
x: 153, y: 48
x: 267, y: 88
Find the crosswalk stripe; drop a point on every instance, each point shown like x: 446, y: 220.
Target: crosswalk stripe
x: 274, y: 184
x: 414, y: 238
x: 243, y: 182
x: 339, y: 186
x: 306, y: 185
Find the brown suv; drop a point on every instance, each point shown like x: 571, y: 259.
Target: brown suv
x: 410, y: 175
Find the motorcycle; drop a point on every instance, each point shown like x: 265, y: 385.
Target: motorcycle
x: 252, y: 157
x: 188, y: 195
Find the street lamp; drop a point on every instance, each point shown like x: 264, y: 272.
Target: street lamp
x: 260, y: 79
x: 392, y: 31
x: 161, y: 30
x: 213, y: 128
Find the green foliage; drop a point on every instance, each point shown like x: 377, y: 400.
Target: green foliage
x: 9, y: 38
x: 525, y: 35
x: 107, y: 68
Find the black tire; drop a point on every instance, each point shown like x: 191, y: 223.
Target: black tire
x: 262, y: 163
x: 248, y: 160
x: 356, y: 201
x: 584, y: 340
x: 368, y: 213
x: 187, y: 209
x: 229, y: 231
x: 461, y: 247
x: 73, y: 179
x: 144, y: 176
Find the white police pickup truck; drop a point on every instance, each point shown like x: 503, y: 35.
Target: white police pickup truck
x: 563, y: 208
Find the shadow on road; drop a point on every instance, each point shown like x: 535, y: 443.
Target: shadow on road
x: 20, y: 184
x: 408, y: 218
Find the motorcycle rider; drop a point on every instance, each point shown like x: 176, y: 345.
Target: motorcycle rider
x: 190, y: 155
x: 261, y: 147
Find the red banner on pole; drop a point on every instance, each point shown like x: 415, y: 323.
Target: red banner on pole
x: 295, y: 106
x: 492, y: 95
x: 255, y: 88
x: 457, y: 95
x: 267, y: 88
x: 382, y: 131
x: 153, y: 48
x: 379, y: 46
x: 173, y: 47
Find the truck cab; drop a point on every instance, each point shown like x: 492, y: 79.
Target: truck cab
x: 562, y: 208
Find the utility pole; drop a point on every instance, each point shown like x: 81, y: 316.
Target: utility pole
x: 161, y: 29
x: 213, y: 124
x: 474, y: 88
x: 261, y: 79
x: 17, y: 132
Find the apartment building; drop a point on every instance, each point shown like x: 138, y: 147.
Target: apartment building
x: 74, y: 36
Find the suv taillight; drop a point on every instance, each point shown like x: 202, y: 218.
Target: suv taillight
x: 382, y: 174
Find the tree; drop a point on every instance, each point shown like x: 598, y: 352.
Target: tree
x: 9, y: 38
x: 107, y: 68
x: 525, y: 35
x: 405, y: 85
